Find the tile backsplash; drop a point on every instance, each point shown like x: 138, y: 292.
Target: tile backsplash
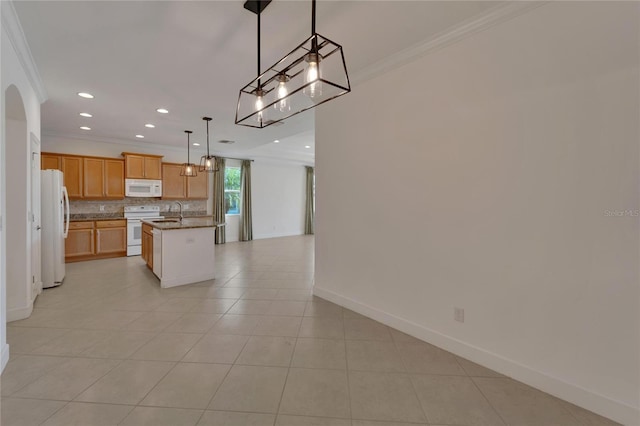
x: 115, y: 208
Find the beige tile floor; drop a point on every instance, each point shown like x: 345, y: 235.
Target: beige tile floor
x: 253, y: 347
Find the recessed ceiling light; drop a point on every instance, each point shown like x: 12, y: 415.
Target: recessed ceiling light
x: 140, y: 136
x: 276, y: 141
x: 85, y: 95
x: 85, y: 128
x: 86, y: 114
x: 307, y: 146
x: 163, y: 110
x: 196, y: 144
x: 151, y: 126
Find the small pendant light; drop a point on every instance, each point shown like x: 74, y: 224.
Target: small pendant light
x: 208, y: 162
x: 188, y: 169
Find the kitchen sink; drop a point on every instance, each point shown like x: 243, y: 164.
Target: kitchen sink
x: 166, y: 221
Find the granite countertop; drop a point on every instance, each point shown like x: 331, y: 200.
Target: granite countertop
x: 92, y: 217
x: 187, y: 223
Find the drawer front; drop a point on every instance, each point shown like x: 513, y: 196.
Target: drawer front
x: 147, y: 228
x: 120, y: 223
x: 81, y: 225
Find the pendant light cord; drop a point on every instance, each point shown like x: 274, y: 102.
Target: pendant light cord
x: 314, y: 43
x: 208, y: 138
x: 188, y: 151
x: 259, y: 85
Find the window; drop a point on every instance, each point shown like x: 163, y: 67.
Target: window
x: 232, y: 190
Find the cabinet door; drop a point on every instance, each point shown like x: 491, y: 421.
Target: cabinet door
x: 198, y: 186
x: 79, y: 242
x: 50, y: 162
x: 173, y: 185
x: 144, y: 247
x: 72, y: 170
x: 150, y: 251
x: 93, y: 178
x: 114, y: 178
x: 152, y: 168
x: 135, y: 166
x: 111, y: 240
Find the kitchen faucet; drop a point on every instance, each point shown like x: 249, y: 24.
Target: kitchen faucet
x: 180, y: 205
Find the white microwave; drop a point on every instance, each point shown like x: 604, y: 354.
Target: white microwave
x: 143, y: 188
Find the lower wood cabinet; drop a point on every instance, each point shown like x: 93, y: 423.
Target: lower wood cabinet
x: 147, y: 245
x: 80, y: 242
x: 96, y: 240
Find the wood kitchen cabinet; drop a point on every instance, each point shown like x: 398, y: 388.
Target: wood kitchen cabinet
x: 96, y: 240
x: 103, y: 178
x: 111, y: 237
x: 178, y: 187
x: 79, y: 242
x: 72, y: 170
x: 147, y: 245
x: 50, y: 162
x: 142, y: 166
x: 88, y: 177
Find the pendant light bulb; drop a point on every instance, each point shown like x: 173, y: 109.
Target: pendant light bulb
x: 283, y: 104
x: 312, y: 75
x: 259, y: 104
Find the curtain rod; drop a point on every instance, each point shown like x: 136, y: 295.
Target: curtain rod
x: 232, y: 158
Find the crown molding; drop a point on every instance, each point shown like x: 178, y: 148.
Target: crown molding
x: 498, y: 14
x: 101, y: 139
x: 13, y: 28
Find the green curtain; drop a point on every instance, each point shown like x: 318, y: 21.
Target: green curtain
x: 218, y: 200
x: 246, y: 224
x: 309, y: 227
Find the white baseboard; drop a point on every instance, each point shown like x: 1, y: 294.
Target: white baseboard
x: 577, y: 395
x: 276, y: 235
x: 5, y: 357
x: 16, y: 314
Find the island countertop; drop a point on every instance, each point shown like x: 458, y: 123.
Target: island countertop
x: 167, y: 224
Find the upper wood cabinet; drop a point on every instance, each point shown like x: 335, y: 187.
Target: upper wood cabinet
x: 114, y: 178
x: 175, y: 186
x: 49, y: 162
x: 88, y: 177
x: 198, y: 187
x: 103, y: 178
x: 72, y: 171
x: 142, y: 166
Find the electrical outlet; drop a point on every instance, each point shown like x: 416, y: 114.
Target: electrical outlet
x: 101, y: 207
x: 186, y: 206
x: 458, y: 314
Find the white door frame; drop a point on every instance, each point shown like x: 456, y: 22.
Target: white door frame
x: 34, y: 214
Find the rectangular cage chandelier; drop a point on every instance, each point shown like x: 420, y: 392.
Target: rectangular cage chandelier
x: 313, y: 73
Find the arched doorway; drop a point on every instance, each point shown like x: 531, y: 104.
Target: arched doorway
x: 17, y: 208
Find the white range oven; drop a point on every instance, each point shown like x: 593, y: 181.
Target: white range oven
x: 134, y: 214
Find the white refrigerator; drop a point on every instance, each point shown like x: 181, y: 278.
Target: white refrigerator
x: 55, y: 227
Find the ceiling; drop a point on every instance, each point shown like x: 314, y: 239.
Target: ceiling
x: 192, y: 57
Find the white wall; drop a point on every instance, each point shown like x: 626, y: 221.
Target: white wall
x: 12, y: 72
x: 278, y: 199
x: 482, y: 176
x: 19, y: 303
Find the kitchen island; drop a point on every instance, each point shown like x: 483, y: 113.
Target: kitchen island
x: 178, y: 251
